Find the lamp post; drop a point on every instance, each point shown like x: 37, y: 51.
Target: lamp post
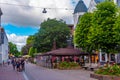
x: 44, y: 10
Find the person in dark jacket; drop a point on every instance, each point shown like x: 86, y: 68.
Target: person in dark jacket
x: 13, y: 63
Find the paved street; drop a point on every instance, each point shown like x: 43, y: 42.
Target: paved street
x: 7, y: 73
x: 33, y: 72
x: 39, y: 73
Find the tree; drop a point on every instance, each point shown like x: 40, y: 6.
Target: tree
x: 31, y: 51
x: 82, y: 31
x: 117, y: 31
x: 13, y: 49
x: 29, y: 43
x: 25, y: 50
x: 51, y: 31
x: 30, y: 40
x: 100, y: 29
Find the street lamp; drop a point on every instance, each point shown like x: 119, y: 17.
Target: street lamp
x: 44, y: 10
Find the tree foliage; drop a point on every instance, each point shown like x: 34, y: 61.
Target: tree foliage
x: 30, y: 40
x: 29, y: 43
x: 31, y: 51
x: 82, y: 31
x: 13, y: 49
x: 25, y: 49
x: 51, y: 30
x: 101, y: 31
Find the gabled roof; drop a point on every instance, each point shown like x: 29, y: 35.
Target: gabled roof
x: 81, y: 7
x: 65, y: 52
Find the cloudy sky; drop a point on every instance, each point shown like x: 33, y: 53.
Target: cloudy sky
x: 22, y: 18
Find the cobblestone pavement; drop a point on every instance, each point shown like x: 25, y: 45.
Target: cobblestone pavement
x: 7, y: 73
x: 39, y: 73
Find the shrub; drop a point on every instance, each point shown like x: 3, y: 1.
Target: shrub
x: 109, y: 70
x: 73, y: 64
x: 67, y: 65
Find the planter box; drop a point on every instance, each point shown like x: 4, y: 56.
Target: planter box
x: 104, y: 77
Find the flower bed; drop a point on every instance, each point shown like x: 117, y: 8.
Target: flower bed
x: 109, y: 72
x: 104, y: 77
x: 68, y: 65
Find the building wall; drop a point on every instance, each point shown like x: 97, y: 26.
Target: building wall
x: 118, y: 2
x: 76, y: 18
x: 92, y: 5
x: 71, y: 27
x: 4, y: 48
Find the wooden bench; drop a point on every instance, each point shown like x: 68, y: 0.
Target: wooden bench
x: 88, y: 67
x: 91, y: 67
x: 85, y: 67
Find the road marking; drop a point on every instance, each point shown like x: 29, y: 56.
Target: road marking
x: 25, y: 76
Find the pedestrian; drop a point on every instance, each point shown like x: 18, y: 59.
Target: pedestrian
x: 13, y: 63
x: 3, y: 63
x: 9, y: 61
x: 18, y: 65
x: 22, y: 64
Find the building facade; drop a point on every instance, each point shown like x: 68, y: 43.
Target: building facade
x: 93, y: 3
x: 118, y: 2
x: 79, y: 10
x: 3, y: 44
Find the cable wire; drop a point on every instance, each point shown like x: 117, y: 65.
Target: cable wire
x: 34, y: 6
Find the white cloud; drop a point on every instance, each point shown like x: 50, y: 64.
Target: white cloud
x: 33, y: 16
x: 20, y: 41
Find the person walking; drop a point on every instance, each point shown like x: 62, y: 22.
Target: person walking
x: 3, y: 63
x: 18, y: 65
x: 13, y: 63
x: 22, y: 64
x: 9, y: 61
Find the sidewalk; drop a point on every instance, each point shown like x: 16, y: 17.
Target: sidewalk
x: 7, y: 73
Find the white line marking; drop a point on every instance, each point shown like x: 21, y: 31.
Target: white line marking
x: 25, y: 76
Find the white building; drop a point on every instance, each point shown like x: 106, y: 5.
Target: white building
x: 3, y: 43
x: 93, y: 3
x: 79, y: 10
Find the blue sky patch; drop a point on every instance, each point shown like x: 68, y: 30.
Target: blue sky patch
x: 20, y: 30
